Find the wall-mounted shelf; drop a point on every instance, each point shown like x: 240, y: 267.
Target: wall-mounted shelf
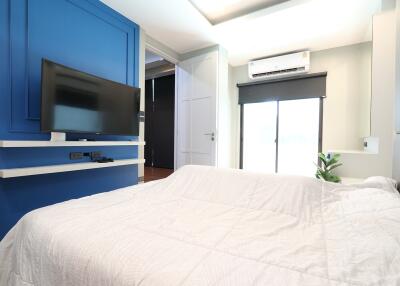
x: 30, y: 171
x: 362, y: 152
x: 30, y: 144
x: 348, y: 180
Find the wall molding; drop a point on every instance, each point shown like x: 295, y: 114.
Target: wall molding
x: 22, y: 119
x: 59, y: 30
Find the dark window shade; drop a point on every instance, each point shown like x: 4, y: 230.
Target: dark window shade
x: 308, y: 86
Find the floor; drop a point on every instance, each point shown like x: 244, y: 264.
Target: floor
x: 151, y: 174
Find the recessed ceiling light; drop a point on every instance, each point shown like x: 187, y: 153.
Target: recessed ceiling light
x: 218, y: 11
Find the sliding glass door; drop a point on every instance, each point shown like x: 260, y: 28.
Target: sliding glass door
x: 299, y: 130
x: 281, y: 136
x: 259, y: 131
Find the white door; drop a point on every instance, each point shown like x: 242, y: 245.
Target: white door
x: 196, y: 111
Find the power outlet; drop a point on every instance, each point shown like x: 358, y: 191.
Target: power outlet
x: 75, y: 155
x: 96, y: 155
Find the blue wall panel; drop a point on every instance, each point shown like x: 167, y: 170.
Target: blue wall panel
x: 32, y: 157
x: 85, y: 35
x: 21, y: 195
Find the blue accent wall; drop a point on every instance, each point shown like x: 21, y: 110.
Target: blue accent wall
x: 82, y: 34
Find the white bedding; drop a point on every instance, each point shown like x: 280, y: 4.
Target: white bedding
x: 203, y: 226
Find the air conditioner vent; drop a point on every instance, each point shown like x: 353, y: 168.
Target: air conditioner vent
x: 287, y: 65
x: 278, y: 72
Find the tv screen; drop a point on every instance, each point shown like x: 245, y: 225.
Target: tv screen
x: 77, y: 102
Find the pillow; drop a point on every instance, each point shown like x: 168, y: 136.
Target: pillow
x: 380, y: 182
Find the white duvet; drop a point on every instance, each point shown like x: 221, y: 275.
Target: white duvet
x: 203, y: 226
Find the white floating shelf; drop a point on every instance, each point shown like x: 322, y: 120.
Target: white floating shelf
x: 351, y: 152
x: 30, y: 171
x: 30, y: 144
x: 348, y: 180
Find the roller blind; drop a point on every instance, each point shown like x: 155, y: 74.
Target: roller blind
x: 308, y: 86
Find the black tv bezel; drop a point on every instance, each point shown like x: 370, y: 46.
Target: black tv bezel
x: 45, y: 130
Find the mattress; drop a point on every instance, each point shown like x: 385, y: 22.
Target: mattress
x: 207, y: 226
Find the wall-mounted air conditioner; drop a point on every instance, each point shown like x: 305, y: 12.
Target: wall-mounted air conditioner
x: 280, y: 66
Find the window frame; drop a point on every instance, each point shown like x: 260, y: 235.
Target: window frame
x: 320, y: 133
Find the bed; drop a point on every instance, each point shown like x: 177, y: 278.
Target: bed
x: 208, y: 226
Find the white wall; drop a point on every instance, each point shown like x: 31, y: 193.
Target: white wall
x: 397, y: 60
x: 346, y: 118
x: 396, y: 157
x: 382, y: 104
x: 347, y: 106
x: 235, y: 118
x: 383, y: 88
x: 142, y: 68
x: 225, y: 109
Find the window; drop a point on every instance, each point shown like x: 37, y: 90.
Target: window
x: 281, y: 136
x: 259, y: 134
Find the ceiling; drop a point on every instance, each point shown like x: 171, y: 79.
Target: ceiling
x: 288, y: 26
x: 223, y: 10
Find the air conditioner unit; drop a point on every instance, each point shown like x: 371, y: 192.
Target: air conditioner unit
x: 281, y: 66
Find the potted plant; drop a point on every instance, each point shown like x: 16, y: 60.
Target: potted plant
x: 328, y: 164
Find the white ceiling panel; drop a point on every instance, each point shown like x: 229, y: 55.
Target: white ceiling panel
x: 223, y: 10
x: 291, y: 25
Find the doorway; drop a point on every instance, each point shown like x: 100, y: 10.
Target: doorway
x: 159, y: 117
x: 282, y: 136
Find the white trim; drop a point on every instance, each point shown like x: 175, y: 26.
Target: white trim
x: 349, y: 180
x: 142, y: 71
x: 28, y: 144
x: 30, y: 171
x: 176, y: 118
x: 161, y: 53
x: 351, y: 152
x: 158, y: 48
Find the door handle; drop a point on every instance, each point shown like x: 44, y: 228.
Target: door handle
x: 212, y: 134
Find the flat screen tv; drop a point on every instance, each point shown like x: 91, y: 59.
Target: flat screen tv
x: 77, y: 102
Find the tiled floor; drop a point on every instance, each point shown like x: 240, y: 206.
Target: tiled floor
x: 151, y: 174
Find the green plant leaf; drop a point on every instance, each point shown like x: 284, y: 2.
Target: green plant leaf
x: 322, y: 158
x: 334, y: 166
x: 328, y: 164
x: 332, y: 162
